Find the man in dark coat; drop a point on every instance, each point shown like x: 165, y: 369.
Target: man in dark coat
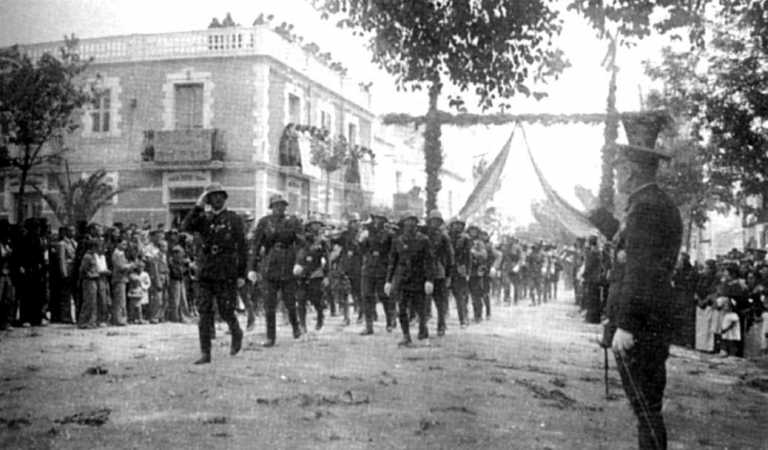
x: 412, y: 262
x: 375, y: 244
x: 222, y: 265
x: 352, y: 261
x: 311, y: 271
x: 591, y: 284
x: 639, y: 298
x: 458, y: 275
x: 279, y: 236
x: 444, y: 262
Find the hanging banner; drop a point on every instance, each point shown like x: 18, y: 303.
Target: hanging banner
x: 489, y: 184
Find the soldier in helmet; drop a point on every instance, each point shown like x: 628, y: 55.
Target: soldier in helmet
x: 444, y: 262
x: 412, y: 262
x: 478, y: 268
x: 375, y: 244
x: 458, y: 276
x: 279, y: 236
x: 311, y: 271
x: 351, y: 261
x: 221, y: 267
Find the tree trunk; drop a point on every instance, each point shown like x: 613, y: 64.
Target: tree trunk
x: 433, y: 154
x: 327, y: 194
x: 610, y: 133
x: 689, y: 232
x: 20, y: 200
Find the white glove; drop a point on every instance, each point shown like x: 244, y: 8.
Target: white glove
x: 297, y: 270
x: 387, y: 288
x: 428, y: 287
x: 201, y: 200
x: 493, y: 272
x: 253, y: 276
x: 363, y: 235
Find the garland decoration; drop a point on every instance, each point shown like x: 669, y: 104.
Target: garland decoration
x: 330, y: 154
x: 468, y: 119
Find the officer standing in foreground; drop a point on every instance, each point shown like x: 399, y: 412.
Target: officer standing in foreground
x: 412, y: 262
x: 639, y: 298
x: 221, y: 268
x: 444, y: 262
x: 279, y: 235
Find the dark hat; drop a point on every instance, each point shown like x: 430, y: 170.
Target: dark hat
x: 213, y: 188
x: 276, y: 198
x: 642, y: 130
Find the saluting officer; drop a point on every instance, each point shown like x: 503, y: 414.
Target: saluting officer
x: 444, y: 262
x: 311, y: 271
x: 375, y: 245
x: 459, y: 287
x: 412, y: 262
x: 279, y: 236
x: 221, y: 267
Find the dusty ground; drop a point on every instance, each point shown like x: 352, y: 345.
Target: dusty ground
x: 530, y: 378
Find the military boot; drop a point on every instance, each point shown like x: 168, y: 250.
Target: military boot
x: 271, y: 330
x: 237, y: 340
x: 320, y: 320
x: 205, y: 345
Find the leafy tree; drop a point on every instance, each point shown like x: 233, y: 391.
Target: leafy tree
x: 81, y: 199
x: 38, y: 100
x: 494, y: 47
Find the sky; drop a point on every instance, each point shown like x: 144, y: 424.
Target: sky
x: 567, y: 157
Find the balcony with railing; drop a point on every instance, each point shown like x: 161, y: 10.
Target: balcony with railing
x: 188, y: 148
x: 259, y: 40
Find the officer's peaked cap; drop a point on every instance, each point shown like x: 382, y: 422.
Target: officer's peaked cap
x: 213, y: 188
x: 275, y: 199
x: 642, y: 130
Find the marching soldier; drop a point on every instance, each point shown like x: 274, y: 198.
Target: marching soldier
x: 478, y: 268
x: 375, y: 245
x: 444, y: 262
x: 221, y: 267
x: 278, y: 236
x: 458, y: 274
x: 351, y: 262
x: 412, y: 262
x: 311, y: 271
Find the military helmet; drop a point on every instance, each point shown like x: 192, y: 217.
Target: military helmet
x: 353, y: 217
x: 435, y: 215
x: 315, y: 218
x: 213, y: 188
x: 275, y: 199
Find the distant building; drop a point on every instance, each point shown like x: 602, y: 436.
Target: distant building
x: 180, y: 110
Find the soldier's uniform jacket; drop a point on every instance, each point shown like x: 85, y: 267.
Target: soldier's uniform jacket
x: 223, y: 253
x: 279, y: 237
x: 411, y: 261
x: 443, y: 251
x: 510, y: 256
x: 375, y: 249
x: 313, y: 258
x: 351, y: 257
x: 478, y: 258
x: 461, y: 245
x: 641, y: 292
x: 534, y: 263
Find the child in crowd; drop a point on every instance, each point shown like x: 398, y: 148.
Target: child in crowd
x: 146, y: 284
x: 730, y: 332
x: 178, y: 310
x: 135, y: 294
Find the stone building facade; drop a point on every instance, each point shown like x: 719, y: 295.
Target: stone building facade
x: 177, y: 111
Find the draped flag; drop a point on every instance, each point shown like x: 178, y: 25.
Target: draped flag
x: 569, y: 217
x: 489, y: 183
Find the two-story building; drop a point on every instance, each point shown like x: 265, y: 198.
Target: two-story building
x: 177, y: 111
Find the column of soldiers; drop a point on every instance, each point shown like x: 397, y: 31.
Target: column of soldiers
x: 404, y: 266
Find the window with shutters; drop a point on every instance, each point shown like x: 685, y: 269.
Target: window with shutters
x: 352, y: 134
x: 188, y: 107
x: 100, y: 111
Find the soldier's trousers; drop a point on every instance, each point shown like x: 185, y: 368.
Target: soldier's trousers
x: 373, y: 288
x: 310, y: 291
x: 287, y: 288
x: 460, y: 292
x: 356, y: 291
x: 476, y: 292
x: 220, y: 295
x: 440, y: 297
x: 487, y: 295
x: 413, y: 301
x: 643, y: 375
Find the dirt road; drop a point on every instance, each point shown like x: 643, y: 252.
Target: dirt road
x: 531, y: 378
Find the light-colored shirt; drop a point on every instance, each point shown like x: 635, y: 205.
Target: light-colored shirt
x: 733, y: 333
